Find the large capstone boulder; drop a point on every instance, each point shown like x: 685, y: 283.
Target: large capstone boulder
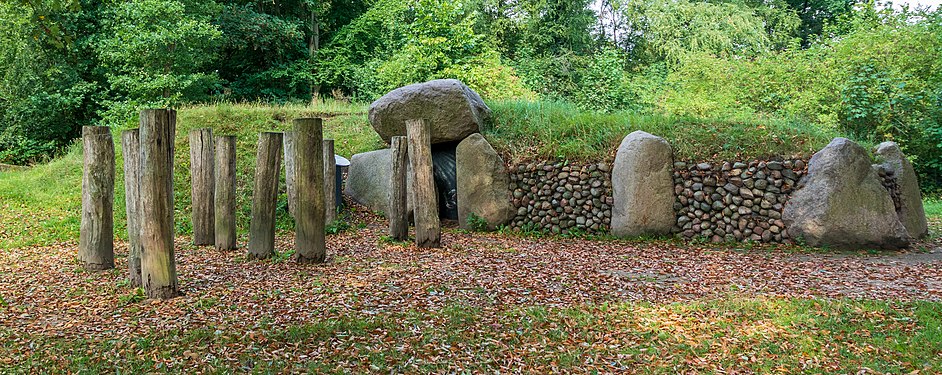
x: 642, y: 186
x: 452, y: 110
x: 911, y: 212
x: 843, y: 203
x: 368, y: 180
x: 483, y: 184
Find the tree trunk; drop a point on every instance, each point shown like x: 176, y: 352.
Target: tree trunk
x: 226, y: 193
x: 158, y: 265
x: 265, y: 196
x: 398, y: 215
x: 131, y: 148
x: 330, y: 183
x: 427, y: 226
x: 309, y: 179
x: 201, y: 177
x: 289, y: 173
x: 96, y: 238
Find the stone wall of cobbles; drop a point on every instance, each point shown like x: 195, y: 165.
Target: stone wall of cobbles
x: 718, y: 202
x: 560, y: 197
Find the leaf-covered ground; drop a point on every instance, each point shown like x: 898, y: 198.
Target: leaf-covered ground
x: 484, y: 302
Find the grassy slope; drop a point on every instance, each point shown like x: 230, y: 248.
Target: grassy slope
x: 523, y: 130
x: 41, y: 205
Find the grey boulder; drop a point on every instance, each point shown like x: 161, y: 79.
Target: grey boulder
x: 843, y: 203
x: 642, y: 186
x: 452, y: 110
x: 368, y: 180
x: 483, y: 184
x: 911, y: 213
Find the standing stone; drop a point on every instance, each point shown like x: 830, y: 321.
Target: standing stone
x: 158, y: 261
x: 131, y: 148
x: 843, y: 202
x: 368, y: 180
x: 225, y: 195
x: 911, y: 213
x: 265, y: 196
x: 642, y: 186
x: 96, y: 238
x: 452, y: 110
x: 202, y: 179
x: 483, y: 183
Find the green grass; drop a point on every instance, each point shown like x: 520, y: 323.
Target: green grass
x: 933, y: 207
x: 525, y: 130
x: 745, y: 334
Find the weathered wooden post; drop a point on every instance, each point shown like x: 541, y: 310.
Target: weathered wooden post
x: 289, y: 172
x: 131, y: 148
x: 330, y: 183
x: 427, y: 225
x: 225, y: 198
x: 96, y: 238
x: 158, y: 265
x: 201, y: 178
x: 397, y: 211
x: 265, y: 196
x: 309, y: 180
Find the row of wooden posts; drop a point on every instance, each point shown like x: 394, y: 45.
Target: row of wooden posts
x: 310, y: 176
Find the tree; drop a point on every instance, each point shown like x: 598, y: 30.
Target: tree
x: 158, y: 53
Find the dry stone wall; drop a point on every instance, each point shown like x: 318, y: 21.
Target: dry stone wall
x: 560, y: 197
x: 734, y: 201
x: 721, y: 202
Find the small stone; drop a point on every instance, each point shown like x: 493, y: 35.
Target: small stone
x: 704, y: 166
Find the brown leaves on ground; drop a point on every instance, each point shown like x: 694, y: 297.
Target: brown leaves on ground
x: 493, y: 278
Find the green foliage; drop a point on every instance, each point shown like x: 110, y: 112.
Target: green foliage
x: 477, y: 223
x: 155, y: 53
x: 396, y: 43
x: 42, y: 94
x: 677, y: 28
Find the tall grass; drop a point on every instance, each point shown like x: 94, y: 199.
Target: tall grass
x: 525, y: 130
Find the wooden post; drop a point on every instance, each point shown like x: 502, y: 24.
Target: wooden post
x: 289, y: 172
x: 96, y: 237
x: 225, y: 193
x: 131, y: 148
x: 201, y: 178
x: 265, y: 196
x: 330, y: 183
x: 398, y: 215
x: 158, y: 265
x: 428, y: 231
x: 309, y: 180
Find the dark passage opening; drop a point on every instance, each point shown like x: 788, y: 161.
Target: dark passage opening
x: 446, y: 184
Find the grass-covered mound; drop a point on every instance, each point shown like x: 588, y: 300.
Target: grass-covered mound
x: 42, y: 205
x: 526, y: 130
